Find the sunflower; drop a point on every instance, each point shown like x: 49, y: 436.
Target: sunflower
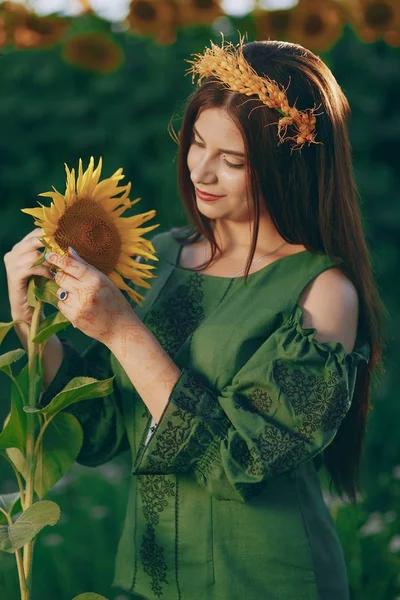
x: 34, y: 31
x: 374, y: 18
x: 94, y: 51
x: 3, y: 33
x: 316, y: 25
x: 88, y: 218
x: 11, y: 14
x: 153, y: 17
x: 198, y: 12
x: 271, y: 24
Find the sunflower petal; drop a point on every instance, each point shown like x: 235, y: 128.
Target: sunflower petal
x: 34, y: 212
x: 120, y: 283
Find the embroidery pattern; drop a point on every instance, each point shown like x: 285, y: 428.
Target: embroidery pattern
x: 322, y: 402
x: 179, y: 315
x: 260, y: 402
x: 155, y: 489
x: 249, y: 460
x: 170, y: 441
x: 152, y: 556
x: 171, y: 322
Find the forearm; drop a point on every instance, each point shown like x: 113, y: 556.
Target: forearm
x: 53, y: 354
x: 151, y: 371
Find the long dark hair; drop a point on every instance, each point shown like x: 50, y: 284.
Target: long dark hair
x: 311, y: 198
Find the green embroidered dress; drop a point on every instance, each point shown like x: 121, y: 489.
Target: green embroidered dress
x: 225, y: 501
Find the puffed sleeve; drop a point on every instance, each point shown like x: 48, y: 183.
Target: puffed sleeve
x: 104, y: 434
x: 281, y: 409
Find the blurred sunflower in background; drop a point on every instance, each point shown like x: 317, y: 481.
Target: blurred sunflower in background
x: 271, y: 24
x: 3, y: 32
x: 156, y: 18
x: 25, y: 29
x: 33, y: 31
x: 93, y: 51
x: 198, y: 12
x: 88, y: 218
x: 374, y: 18
x: 316, y: 25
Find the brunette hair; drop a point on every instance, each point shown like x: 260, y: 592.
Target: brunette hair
x: 311, y: 198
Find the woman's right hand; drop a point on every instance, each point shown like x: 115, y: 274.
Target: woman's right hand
x: 17, y: 262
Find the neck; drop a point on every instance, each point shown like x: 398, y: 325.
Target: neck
x: 234, y: 238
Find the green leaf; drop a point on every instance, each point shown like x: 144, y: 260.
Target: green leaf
x: 46, y: 291
x: 61, y: 443
x: 38, y: 382
x: 51, y: 324
x: 41, y: 258
x: 43, y: 289
x: 89, y: 596
x: 28, y: 525
x: 13, y: 434
x: 79, y: 388
x: 4, y: 329
x: 11, y: 503
x: 30, y: 296
x: 8, y: 501
x: 18, y: 459
x: 60, y: 447
x: 10, y: 357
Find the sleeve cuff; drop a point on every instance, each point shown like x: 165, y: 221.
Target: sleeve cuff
x: 191, y: 421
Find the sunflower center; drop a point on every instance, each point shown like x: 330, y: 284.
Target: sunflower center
x: 314, y: 24
x: 379, y: 14
x: 279, y: 19
x: 89, y: 229
x: 144, y: 11
x: 204, y: 4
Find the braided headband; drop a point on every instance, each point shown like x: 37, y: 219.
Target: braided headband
x: 227, y: 63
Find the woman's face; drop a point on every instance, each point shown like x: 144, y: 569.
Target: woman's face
x: 217, y: 165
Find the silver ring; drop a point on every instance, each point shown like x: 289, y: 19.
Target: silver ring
x: 63, y: 295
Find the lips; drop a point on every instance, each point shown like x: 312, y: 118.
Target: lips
x: 206, y: 197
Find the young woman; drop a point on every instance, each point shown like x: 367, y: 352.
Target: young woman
x: 248, y: 366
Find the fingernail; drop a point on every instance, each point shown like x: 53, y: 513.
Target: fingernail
x: 47, y: 255
x: 72, y: 251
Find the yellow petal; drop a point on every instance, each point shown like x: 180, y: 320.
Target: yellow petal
x: 120, y: 283
x: 94, y: 179
x: 34, y: 212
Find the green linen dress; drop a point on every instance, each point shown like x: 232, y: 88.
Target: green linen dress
x: 225, y: 501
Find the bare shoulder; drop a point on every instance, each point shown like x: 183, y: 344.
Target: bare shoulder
x: 330, y: 305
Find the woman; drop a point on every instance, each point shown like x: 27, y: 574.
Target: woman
x: 249, y: 364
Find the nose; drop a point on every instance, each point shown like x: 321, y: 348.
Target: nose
x: 203, y: 172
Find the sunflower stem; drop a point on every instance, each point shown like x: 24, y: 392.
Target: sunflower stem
x: 34, y: 368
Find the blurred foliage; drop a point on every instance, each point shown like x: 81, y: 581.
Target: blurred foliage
x: 52, y: 113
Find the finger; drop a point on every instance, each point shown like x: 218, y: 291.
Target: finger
x: 62, y: 306
x: 33, y: 235
x: 30, y: 242
x: 65, y: 281
x: 43, y: 271
x: 76, y: 268
x: 32, y: 256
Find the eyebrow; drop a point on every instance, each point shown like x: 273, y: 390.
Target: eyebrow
x: 234, y: 152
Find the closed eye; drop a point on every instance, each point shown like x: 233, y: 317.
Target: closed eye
x: 229, y: 164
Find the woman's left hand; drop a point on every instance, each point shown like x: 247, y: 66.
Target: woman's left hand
x: 94, y: 304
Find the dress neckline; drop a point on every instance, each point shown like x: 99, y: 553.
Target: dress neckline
x: 259, y: 271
